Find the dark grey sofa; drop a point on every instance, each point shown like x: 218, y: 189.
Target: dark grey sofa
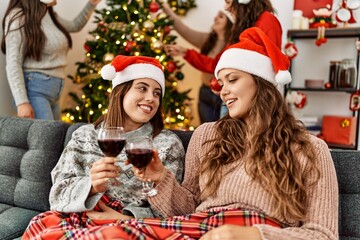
x: 29, y: 149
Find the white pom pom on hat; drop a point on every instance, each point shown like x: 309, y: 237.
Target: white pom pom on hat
x: 258, y: 55
x: 127, y: 68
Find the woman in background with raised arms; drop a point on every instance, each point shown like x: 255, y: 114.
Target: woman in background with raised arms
x: 36, y: 42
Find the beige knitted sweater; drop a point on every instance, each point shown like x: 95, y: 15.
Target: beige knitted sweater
x: 238, y: 190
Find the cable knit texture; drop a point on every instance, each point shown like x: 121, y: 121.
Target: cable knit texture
x: 53, y: 58
x: 238, y: 190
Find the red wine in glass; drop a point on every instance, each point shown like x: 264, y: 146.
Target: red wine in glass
x: 111, y: 147
x: 111, y: 141
x: 140, y: 151
x: 139, y: 157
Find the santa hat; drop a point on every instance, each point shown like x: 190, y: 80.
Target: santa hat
x: 258, y: 55
x: 127, y: 68
x: 244, y: 1
x: 229, y: 15
x: 47, y: 1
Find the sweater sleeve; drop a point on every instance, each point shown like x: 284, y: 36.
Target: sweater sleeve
x: 71, y: 181
x: 175, y: 199
x: 201, y: 61
x: 14, y: 60
x: 78, y: 22
x: 322, y: 216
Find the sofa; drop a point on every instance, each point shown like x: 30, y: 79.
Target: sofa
x: 29, y: 149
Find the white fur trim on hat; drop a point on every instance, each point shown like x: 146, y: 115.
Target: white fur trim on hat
x: 248, y: 62
x: 140, y: 70
x: 229, y: 15
x: 47, y: 1
x: 244, y: 1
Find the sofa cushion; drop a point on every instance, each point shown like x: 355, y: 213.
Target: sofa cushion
x: 29, y: 151
x: 347, y: 164
x: 15, y: 221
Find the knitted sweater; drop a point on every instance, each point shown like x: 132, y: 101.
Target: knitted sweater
x: 71, y: 175
x: 267, y: 22
x: 53, y: 58
x: 238, y: 190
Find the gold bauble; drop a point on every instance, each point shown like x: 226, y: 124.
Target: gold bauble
x: 181, y: 12
x: 148, y: 25
x: 161, y: 15
x: 157, y: 46
x: 108, y: 57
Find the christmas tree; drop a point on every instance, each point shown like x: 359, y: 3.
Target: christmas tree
x: 130, y: 27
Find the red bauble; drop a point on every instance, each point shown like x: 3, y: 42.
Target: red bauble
x: 328, y: 85
x: 129, y: 46
x: 154, y: 7
x: 214, y: 85
x: 87, y: 47
x: 170, y: 66
x: 167, y: 30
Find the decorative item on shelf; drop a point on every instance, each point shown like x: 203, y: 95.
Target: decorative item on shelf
x: 339, y: 130
x: 347, y: 74
x: 296, y: 98
x: 344, y: 10
x: 291, y: 50
x: 355, y: 101
x: 333, y: 74
x: 307, y: 6
x: 298, y: 21
x: 322, y: 20
x: 314, y: 83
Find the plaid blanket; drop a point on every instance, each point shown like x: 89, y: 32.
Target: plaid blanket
x: 58, y: 225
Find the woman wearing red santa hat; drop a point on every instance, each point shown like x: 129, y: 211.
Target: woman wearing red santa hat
x: 247, y: 13
x: 36, y: 41
x: 81, y: 196
x: 256, y: 160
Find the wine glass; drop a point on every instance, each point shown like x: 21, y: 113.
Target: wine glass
x: 111, y: 141
x: 140, y: 151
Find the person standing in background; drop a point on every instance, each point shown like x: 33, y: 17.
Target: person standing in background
x: 210, y: 44
x: 35, y: 43
x: 247, y: 13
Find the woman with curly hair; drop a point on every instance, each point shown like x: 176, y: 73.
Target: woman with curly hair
x: 35, y: 43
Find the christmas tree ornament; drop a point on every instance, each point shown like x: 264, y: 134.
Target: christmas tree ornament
x: 154, y: 7
x: 157, y: 46
x: 344, y: 10
x: 214, y: 85
x: 167, y: 30
x: 87, y: 47
x: 170, y: 66
x: 179, y: 75
x: 161, y: 15
x: 108, y: 57
x: 129, y: 46
x: 291, y: 50
x: 148, y: 25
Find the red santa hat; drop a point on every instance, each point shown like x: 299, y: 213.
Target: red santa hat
x: 127, y: 68
x: 258, y: 55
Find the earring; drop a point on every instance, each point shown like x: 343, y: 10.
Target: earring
x: 244, y: 1
x: 46, y: 1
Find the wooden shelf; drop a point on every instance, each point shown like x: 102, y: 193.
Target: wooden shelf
x: 348, y: 90
x: 329, y: 33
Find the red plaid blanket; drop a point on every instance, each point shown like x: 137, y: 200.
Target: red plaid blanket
x: 57, y: 225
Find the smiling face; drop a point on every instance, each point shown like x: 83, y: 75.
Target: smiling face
x: 141, y: 102
x: 238, y: 91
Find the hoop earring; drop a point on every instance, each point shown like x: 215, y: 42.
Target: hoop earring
x: 244, y: 1
x: 46, y: 1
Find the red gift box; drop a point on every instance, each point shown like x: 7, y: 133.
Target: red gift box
x: 307, y: 6
x: 339, y: 130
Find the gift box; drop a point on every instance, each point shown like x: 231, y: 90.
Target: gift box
x: 339, y: 130
x: 307, y: 6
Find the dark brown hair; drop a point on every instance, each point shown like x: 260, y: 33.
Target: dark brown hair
x: 30, y: 14
x: 213, y: 37
x: 247, y: 15
x: 116, y: 113
x: 269, y: 148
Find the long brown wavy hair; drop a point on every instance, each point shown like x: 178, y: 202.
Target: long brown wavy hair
x: 246, y: 16
x: 30, y: 13
x: 270, y: 145
x: 116, y: 113
x: 213, y: 37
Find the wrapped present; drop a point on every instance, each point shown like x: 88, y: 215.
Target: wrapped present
x: 339, y: 130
